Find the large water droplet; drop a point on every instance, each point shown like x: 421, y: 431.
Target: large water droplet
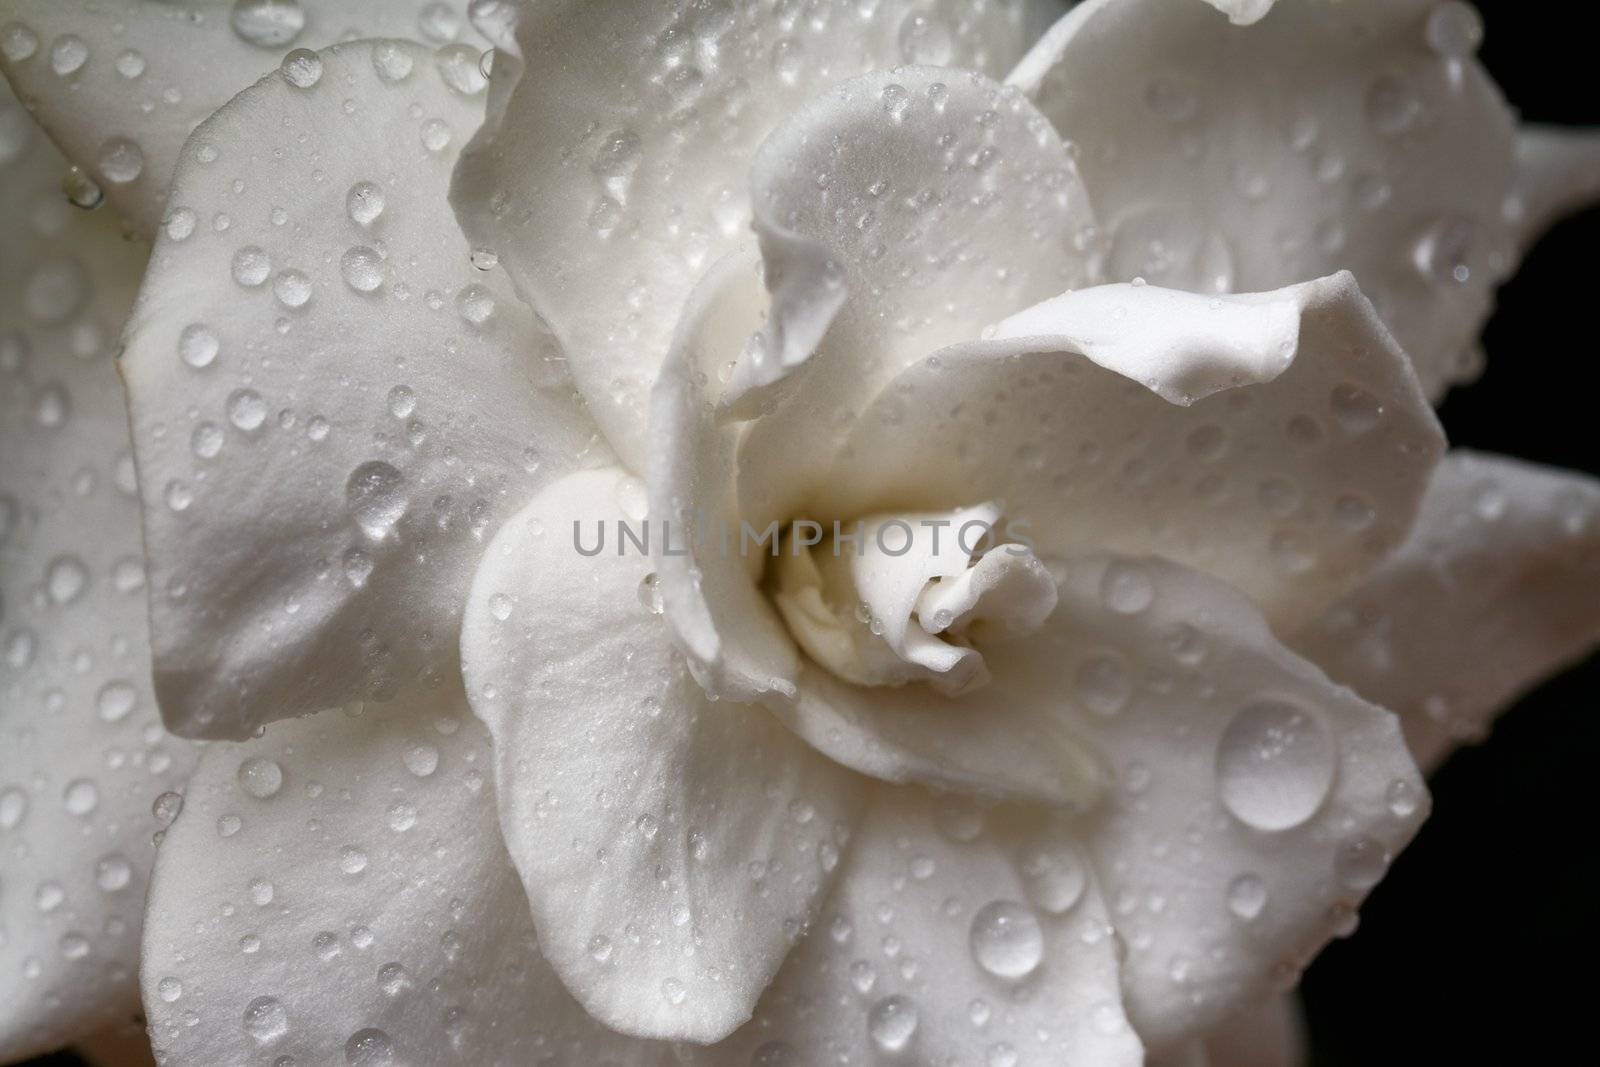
x: 1275, y: 765
x: 1006, y: 939
x: 120, y: 160
x: 260, y: 777
x: 362, y: 268
x: 376, y: 495
x: 368, y: 1048
x: 892, y: 1023
x: 265, y: 1020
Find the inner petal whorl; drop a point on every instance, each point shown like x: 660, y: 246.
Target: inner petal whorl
x: 900, y: 598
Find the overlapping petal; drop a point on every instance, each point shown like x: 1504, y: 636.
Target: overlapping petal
x: 1497, y: 587
x: 673, y: 848
x: 1256, y: 801
x: 336, y: 891
x: 616, y: 150
x: 82, y: 753
x: 1276, y: 440
x: 334, y: 406
x: 956, y: 935
x: 120, y: 86
x: 895, y: 213
x: 1358, y: 135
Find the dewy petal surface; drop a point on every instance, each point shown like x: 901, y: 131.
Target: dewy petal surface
x: 615, y: 153
x: 956, y: 935
x: 673, y: 848
x: 82, y: 753
x: 896, y: 213
x: 1276, y: 440
x: 1497, y: 587
x: 119, y: 85
x: 336, y: 891
x: 332, y: 408
x: 1356, y: 135
x: 1256, y: 801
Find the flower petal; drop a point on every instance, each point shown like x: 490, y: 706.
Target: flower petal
x: 1558, y: 172
x: 954, y: 936
x: 82, y: 754
x: 1276, y: 440
x: 332, y: 409
x: 119, y: 86
x: 615, y: 153
x: 908, y: 217
x: 337, y: 891
x: 1497, y: 587
x: 1256, y: 801
x: 1360, y: 135
x: 672, y: 848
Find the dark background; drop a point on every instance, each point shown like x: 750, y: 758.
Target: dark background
x: 1482, y: 945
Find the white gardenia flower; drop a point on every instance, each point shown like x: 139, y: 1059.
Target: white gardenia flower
x: 1168, y: 304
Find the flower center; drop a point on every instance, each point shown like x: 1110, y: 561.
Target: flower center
x: 898, y: 598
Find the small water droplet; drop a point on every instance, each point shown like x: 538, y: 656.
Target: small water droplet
x: 260, y: 777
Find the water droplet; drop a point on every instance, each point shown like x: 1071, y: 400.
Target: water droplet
x: 1360, y: 863
x: 116, y: 700
x: 363, y: 268
x: 422, y: 759
x: 113, y: 873
x: 1402, y: 798
x: 1006, y: 939
x: 246, y: 409
x: 13, y: 808
x: 1355, y: 409
x: 80, y: 797
x: 436, y: 135
x: 65, y: 579
x: 364, y: 202
x: 1393, y: 107
x: 1103, y: 685
x: 402, y: 401
x: 82, y: 190
x: 892, y: 1023
x: 1455, y: 29
x: 292, y: 288
x: 67, y: 54
x: 206, y: 440
x: 475, y: 304
x: 500, y: 606
x: 268, y: 23
x: 375, y: 492
x: 120, y: 160
x: 302, y: 68
x: 352, y: 860
x: 260, y: 777
x: 1126, y: 589
x: 265, y: 1020
x: 1247, y: 895
x: 650, y: 593
x: 169, y: 989
x: 925, y: 40
x: 251, y: 265
x: 1275, y: 765
x: 166, y: 807
x: 1054, y: 878
x: 460, y: 69
x: 18, y: 42
x: 1444, y: 253
x: 197, y: 345
x: 392, y: 62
